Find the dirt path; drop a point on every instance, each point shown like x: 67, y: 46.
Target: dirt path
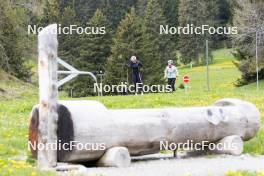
x: 190, y: 166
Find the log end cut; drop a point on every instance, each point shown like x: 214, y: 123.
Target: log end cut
x: 65, y: 131
x: 248, y: 111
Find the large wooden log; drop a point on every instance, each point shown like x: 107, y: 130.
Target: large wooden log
x: 141, y: 130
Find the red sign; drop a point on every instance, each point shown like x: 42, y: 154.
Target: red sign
x: 186, y: 79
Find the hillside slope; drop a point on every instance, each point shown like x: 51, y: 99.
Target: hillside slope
x: 13, y: 88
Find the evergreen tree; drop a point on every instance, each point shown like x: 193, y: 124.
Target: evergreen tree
x: 69, y: 47
x: 127, y: 42
x: 210, y: 18
x: 69, y: 43
x: 67, y: 3
x: 156, y: 48
x: 198, y: 13
x: 51, y: 13
x: 13, y: 41
x: 217, y: 13
x: 170, y: 9
x: 85, y: 9
x: 116, y: 10
x: 249, y: 17
x: 191, y: 45
x: 224, y: 18
x: 141, y: 7
x: 94, y: 50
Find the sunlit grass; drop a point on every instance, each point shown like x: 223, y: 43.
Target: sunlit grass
x: 243, y: 173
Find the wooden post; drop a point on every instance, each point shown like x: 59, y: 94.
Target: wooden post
x: 48, y: 93
x: 257, y: 68
x: 207, y: 65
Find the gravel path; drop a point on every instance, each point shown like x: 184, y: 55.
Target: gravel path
x: 183, y: 166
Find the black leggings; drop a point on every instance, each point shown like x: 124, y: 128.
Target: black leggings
x: 171, y: 83
x: 137, y: 82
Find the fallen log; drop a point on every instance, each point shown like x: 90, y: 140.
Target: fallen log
x: 140, y: 131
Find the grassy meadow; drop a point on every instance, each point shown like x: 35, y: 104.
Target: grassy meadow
x: 17, y: 98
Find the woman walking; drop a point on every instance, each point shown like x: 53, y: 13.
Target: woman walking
x: 171, y: 73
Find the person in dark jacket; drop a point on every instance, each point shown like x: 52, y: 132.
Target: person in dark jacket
x: 135, y: 66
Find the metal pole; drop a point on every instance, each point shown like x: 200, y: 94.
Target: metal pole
x: 101, y: 75
x: 71, y: 93
x: 207, y: 65
x: 257, y: 69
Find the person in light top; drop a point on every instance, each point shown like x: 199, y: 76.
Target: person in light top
x: 171, y: 73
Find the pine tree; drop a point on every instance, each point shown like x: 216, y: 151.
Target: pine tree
x: 127, y: 42
x: 249, y: 17
x: 69, y: 44
x: 141, y: 7
x: 116, y: 10
x: 191, y: 45
x: 69, y: 49
x: 12, y: 41
x: 156, y: 47
x: 170, y: 9
x: 51, y: 13
x: 224, y: 18
x: 210, y: 17
x: 85, y: 9
x: 94, y: 50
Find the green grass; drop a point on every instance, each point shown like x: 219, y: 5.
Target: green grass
x: 243, y: 173
x: 17, y: 99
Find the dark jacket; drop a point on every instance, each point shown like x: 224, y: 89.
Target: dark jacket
x: 135, y: 67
